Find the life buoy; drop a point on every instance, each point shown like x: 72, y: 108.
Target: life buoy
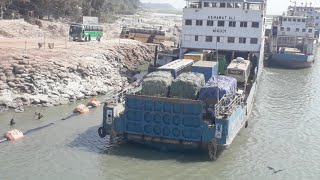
x: 81, y: 109
x: 102, y: 132
x: 94, y: 103
x: 13, y: 135
x: 307, y: 35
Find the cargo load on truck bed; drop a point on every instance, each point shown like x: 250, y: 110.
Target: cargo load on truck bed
x: 207, y: 68
x: 187, y: 85
x: 196, y: 56
x: 217, y: 86
x: 177, y: 67
x: 157, y: 84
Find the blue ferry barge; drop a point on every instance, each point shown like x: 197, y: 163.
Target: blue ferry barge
x: 169, y: 123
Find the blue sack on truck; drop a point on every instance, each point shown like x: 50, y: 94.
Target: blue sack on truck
x: 218, y: 84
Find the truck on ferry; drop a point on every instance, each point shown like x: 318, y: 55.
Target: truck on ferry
x: 211, y: 120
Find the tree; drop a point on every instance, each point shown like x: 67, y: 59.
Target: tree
x: 60, y: 8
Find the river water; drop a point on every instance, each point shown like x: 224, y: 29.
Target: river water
x: 284, y: 133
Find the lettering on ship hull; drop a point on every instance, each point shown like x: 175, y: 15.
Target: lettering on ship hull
x: 222, y: 17
x: 219, y: 30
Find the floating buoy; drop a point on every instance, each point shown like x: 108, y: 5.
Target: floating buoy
x: 81, y: 109
x: 13, y: 135
x: 94, y: 103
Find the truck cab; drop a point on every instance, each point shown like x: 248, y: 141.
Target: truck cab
x: 240, y: 70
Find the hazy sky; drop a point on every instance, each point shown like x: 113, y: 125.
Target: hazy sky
x: 274, y: 6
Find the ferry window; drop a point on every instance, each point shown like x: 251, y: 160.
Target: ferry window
x: 288, y: 29
x: 254, y: 6
x: 229, y: 5
x: 254, y: 41
x: 209, y: 23
x: 289, y: 19
x: 196, y: 38
x: 284, y: 19
x: 298, y: 20
x: 219, y: 39
x: 208, y: 38
x: 303, y: 20
x: 297, y: 29
x: 232, y: 23
x: 303, y: 30
x: 222, y: 5
x: 317, y: 17
x: 188, y: 22
x: 243, y: 24
x: 310, y: 30
x: 294, y: 20
x: 281, y: 28
x: 221, y: 23
x: 317, y: 24
x: 214, y: 4
x: 231, y: 39
x: 242, y: 40
x: 198, y: 22
x: 206, y: 4
x: 237, y: 5
x: 255, y: 24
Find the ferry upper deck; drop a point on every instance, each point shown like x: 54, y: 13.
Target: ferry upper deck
x: 230, y: 25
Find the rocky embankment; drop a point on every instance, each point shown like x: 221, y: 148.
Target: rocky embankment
x: 49, y: 77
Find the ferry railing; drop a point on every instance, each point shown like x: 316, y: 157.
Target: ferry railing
x: 227, y: 105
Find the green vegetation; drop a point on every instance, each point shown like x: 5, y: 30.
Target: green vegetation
x: 62, y: 8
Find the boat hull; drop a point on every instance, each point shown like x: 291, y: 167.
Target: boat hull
x: 291, y: 61
x: 160, y: 123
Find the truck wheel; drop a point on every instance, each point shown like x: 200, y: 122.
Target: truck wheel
x: 212, y: 150
x: 102, y: 132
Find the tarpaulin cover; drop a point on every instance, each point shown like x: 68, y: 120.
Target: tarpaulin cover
x: 157, y: 84
x: 187, y: 85
x: 225, y: 85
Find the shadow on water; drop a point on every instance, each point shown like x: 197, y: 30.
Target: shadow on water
x: 90, y: 141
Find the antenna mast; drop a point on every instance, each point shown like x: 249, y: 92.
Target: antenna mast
x: 294, y: 7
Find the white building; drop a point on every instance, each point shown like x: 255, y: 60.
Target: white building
x: 229, y: 25
x: 307, y: 11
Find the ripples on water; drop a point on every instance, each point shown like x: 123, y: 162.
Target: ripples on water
x: 284, y: 133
